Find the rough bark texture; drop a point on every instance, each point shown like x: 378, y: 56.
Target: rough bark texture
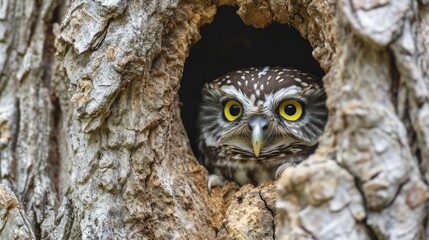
x: 30, y: 156
x: 92, y: 144
x: 13, y: 221
x: 367, y: 179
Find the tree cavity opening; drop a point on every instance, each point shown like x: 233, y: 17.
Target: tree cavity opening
x: 228, y: 44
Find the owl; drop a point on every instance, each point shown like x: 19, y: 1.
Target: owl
x: 255, y: 122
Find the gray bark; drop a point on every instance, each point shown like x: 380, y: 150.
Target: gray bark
x: 92, y: 144
x: 367, y: 179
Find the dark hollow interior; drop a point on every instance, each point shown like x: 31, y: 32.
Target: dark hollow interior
x: 228, y: 44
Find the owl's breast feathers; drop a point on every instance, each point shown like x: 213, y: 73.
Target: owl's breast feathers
x: 242, y: 167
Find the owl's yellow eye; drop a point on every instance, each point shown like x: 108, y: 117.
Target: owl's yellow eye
x: 232, y: 110
x: 291, y: 110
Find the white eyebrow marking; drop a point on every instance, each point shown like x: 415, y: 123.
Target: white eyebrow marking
x: 289, y: 91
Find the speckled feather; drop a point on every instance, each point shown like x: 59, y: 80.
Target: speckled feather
x: 225, y: 146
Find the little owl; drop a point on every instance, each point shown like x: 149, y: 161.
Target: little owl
x: 255, y: 122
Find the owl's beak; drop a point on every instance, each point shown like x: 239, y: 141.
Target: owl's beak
x: 257, y: 124
x: 257, y: 139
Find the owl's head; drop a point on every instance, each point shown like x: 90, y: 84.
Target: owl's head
x: 260, y: 112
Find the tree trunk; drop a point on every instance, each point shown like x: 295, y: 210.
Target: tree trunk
x: 92, y: 144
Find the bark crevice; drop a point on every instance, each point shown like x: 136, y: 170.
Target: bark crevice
x: 273, y: 214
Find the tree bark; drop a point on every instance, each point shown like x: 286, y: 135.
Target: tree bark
x: 92, y: 144
x: 367, y: 179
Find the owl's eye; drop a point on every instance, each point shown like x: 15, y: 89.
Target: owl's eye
x: 290, y: 110
x: 232, y: 110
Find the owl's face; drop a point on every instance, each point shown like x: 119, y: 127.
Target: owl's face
x: 257, y: 113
